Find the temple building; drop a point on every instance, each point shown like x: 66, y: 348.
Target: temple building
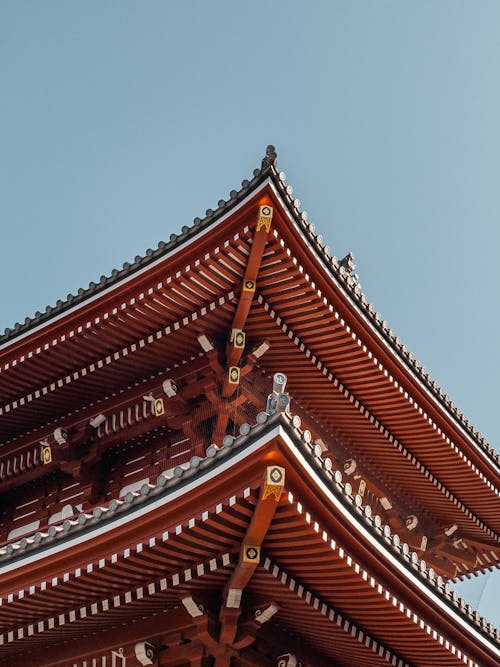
x: 221, y: 456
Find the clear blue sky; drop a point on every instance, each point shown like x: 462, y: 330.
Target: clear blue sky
x: 121, y: 121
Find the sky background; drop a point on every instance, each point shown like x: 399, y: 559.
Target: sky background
x: 121, y: 121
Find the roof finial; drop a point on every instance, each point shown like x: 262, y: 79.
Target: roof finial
x: 348, y: 263
x: 270, y: 157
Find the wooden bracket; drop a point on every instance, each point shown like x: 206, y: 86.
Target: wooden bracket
x: 265, y: 509
x: 249, y: 283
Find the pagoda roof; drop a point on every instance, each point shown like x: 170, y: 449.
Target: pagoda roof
x: 339, y: 269
x: 349, y: 374
x: 314, y: 568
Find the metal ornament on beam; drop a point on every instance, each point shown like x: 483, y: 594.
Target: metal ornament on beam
x: 265, y: 218
x: 158, y: 407
x: 46, y: 453
x: 251, y: 553
x: 274, y: 482
x: 249, y: 285
x: 234, y: 375
x: 238, y: 339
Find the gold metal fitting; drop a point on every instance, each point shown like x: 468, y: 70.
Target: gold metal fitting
x: 46, y: 454
x: 239, y: 339
x: 249, y: 285
x: 158, y: 407
x: 234, y: 375
x: 264, y: 218
x: 251, y: 554
x: 274, y: 482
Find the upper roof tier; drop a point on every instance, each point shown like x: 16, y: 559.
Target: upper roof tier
x: 15, y: 339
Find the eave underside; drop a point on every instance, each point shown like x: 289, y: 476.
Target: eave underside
x: 334, y: 376
x: 332, y: 604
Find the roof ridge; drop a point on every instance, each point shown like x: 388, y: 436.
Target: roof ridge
x: 140, y: 261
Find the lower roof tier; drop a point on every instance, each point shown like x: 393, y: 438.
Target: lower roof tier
x: 256, y: 549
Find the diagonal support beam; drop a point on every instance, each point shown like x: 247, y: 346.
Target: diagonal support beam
x: 236, y: 343
x: 270, y: 494
x: 261, y: 235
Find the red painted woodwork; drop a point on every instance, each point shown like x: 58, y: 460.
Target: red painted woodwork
x: 131, y: 543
